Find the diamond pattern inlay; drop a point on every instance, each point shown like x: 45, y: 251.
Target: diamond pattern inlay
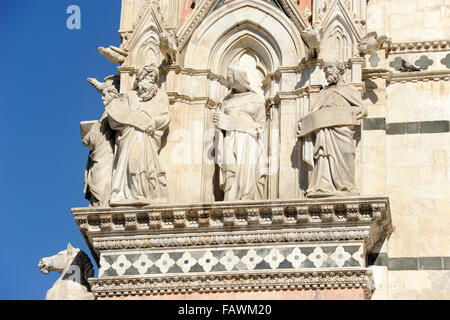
x: 186, y: 262
x: 296, y: 258
x: 274, y: 258
x: 289, y: 257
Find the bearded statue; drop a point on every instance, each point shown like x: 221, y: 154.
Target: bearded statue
x: 328, y: 134
x: 140, y: 118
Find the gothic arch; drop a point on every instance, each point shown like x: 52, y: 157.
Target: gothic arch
x: 339, y: 43
x: 241, y: 25
x: 339, y: 34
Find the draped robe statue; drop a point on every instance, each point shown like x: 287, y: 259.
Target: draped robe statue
x: 98, y: 136
x: 140, y: 118
x: 330, y: 150
x: 240, y: 151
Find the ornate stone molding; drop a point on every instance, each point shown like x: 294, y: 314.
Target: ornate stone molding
x: 213, y: 283
x: 205, y: 7
x: 292, y: 69
x: 193, y: 22
x: 424, y: 76
x: 225, y: 238
x: 418, y: 47
x: 365, y: 219
x: 218, y: 215
x: 376, y: 74
x: 294, y: 14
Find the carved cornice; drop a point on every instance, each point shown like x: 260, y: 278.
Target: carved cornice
x: 418, y: 47
x: 218, y: 215
x: 440, y: 75
x: 195, y: 72
x: 376, y: 74
x: 364, y: 219
x: 214, y: 283
x: 194, y: 101
x: 203, y: 239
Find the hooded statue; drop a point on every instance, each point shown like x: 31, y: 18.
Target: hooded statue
x: 239, y: 147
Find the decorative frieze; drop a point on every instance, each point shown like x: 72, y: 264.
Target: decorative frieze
x: 223, y: 283
x: 222, y: 214
x: 225, y: 238
x: 235, y: 259
x: 441, y: 75
x: 419, y: 47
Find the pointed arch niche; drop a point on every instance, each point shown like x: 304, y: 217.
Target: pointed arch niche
x: 249, y: 33
x: 338, y: 41
x: 241, y: 31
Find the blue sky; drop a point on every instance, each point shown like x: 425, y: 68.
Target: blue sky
x: 43, y: 97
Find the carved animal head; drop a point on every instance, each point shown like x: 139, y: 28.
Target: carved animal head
x: 164, y: 39
x: 109, y: 89
x: 59, y: 261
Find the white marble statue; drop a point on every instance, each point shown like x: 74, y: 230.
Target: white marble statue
x: 98, y: 136
x: 140, y: 118
x: 239, y: 146
x: 75, y: 268
x: 328, y: 133
x: 168, y: 47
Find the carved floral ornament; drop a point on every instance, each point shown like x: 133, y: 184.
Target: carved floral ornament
x: 235, y: 283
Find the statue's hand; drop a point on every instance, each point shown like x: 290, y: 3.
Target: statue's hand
x: 362, y: 113
x: 151, y: 128
x: 107, y: 98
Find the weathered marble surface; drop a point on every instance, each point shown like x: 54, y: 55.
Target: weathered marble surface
x: 412, y: 167
x: 140, y: 118
x: 75, y: 268
x: 239, y: 149
x: 277, y: 241
x: 330, y: 149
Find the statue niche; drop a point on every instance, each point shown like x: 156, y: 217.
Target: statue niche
x: 239, y: 146
x: 328, y: 135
